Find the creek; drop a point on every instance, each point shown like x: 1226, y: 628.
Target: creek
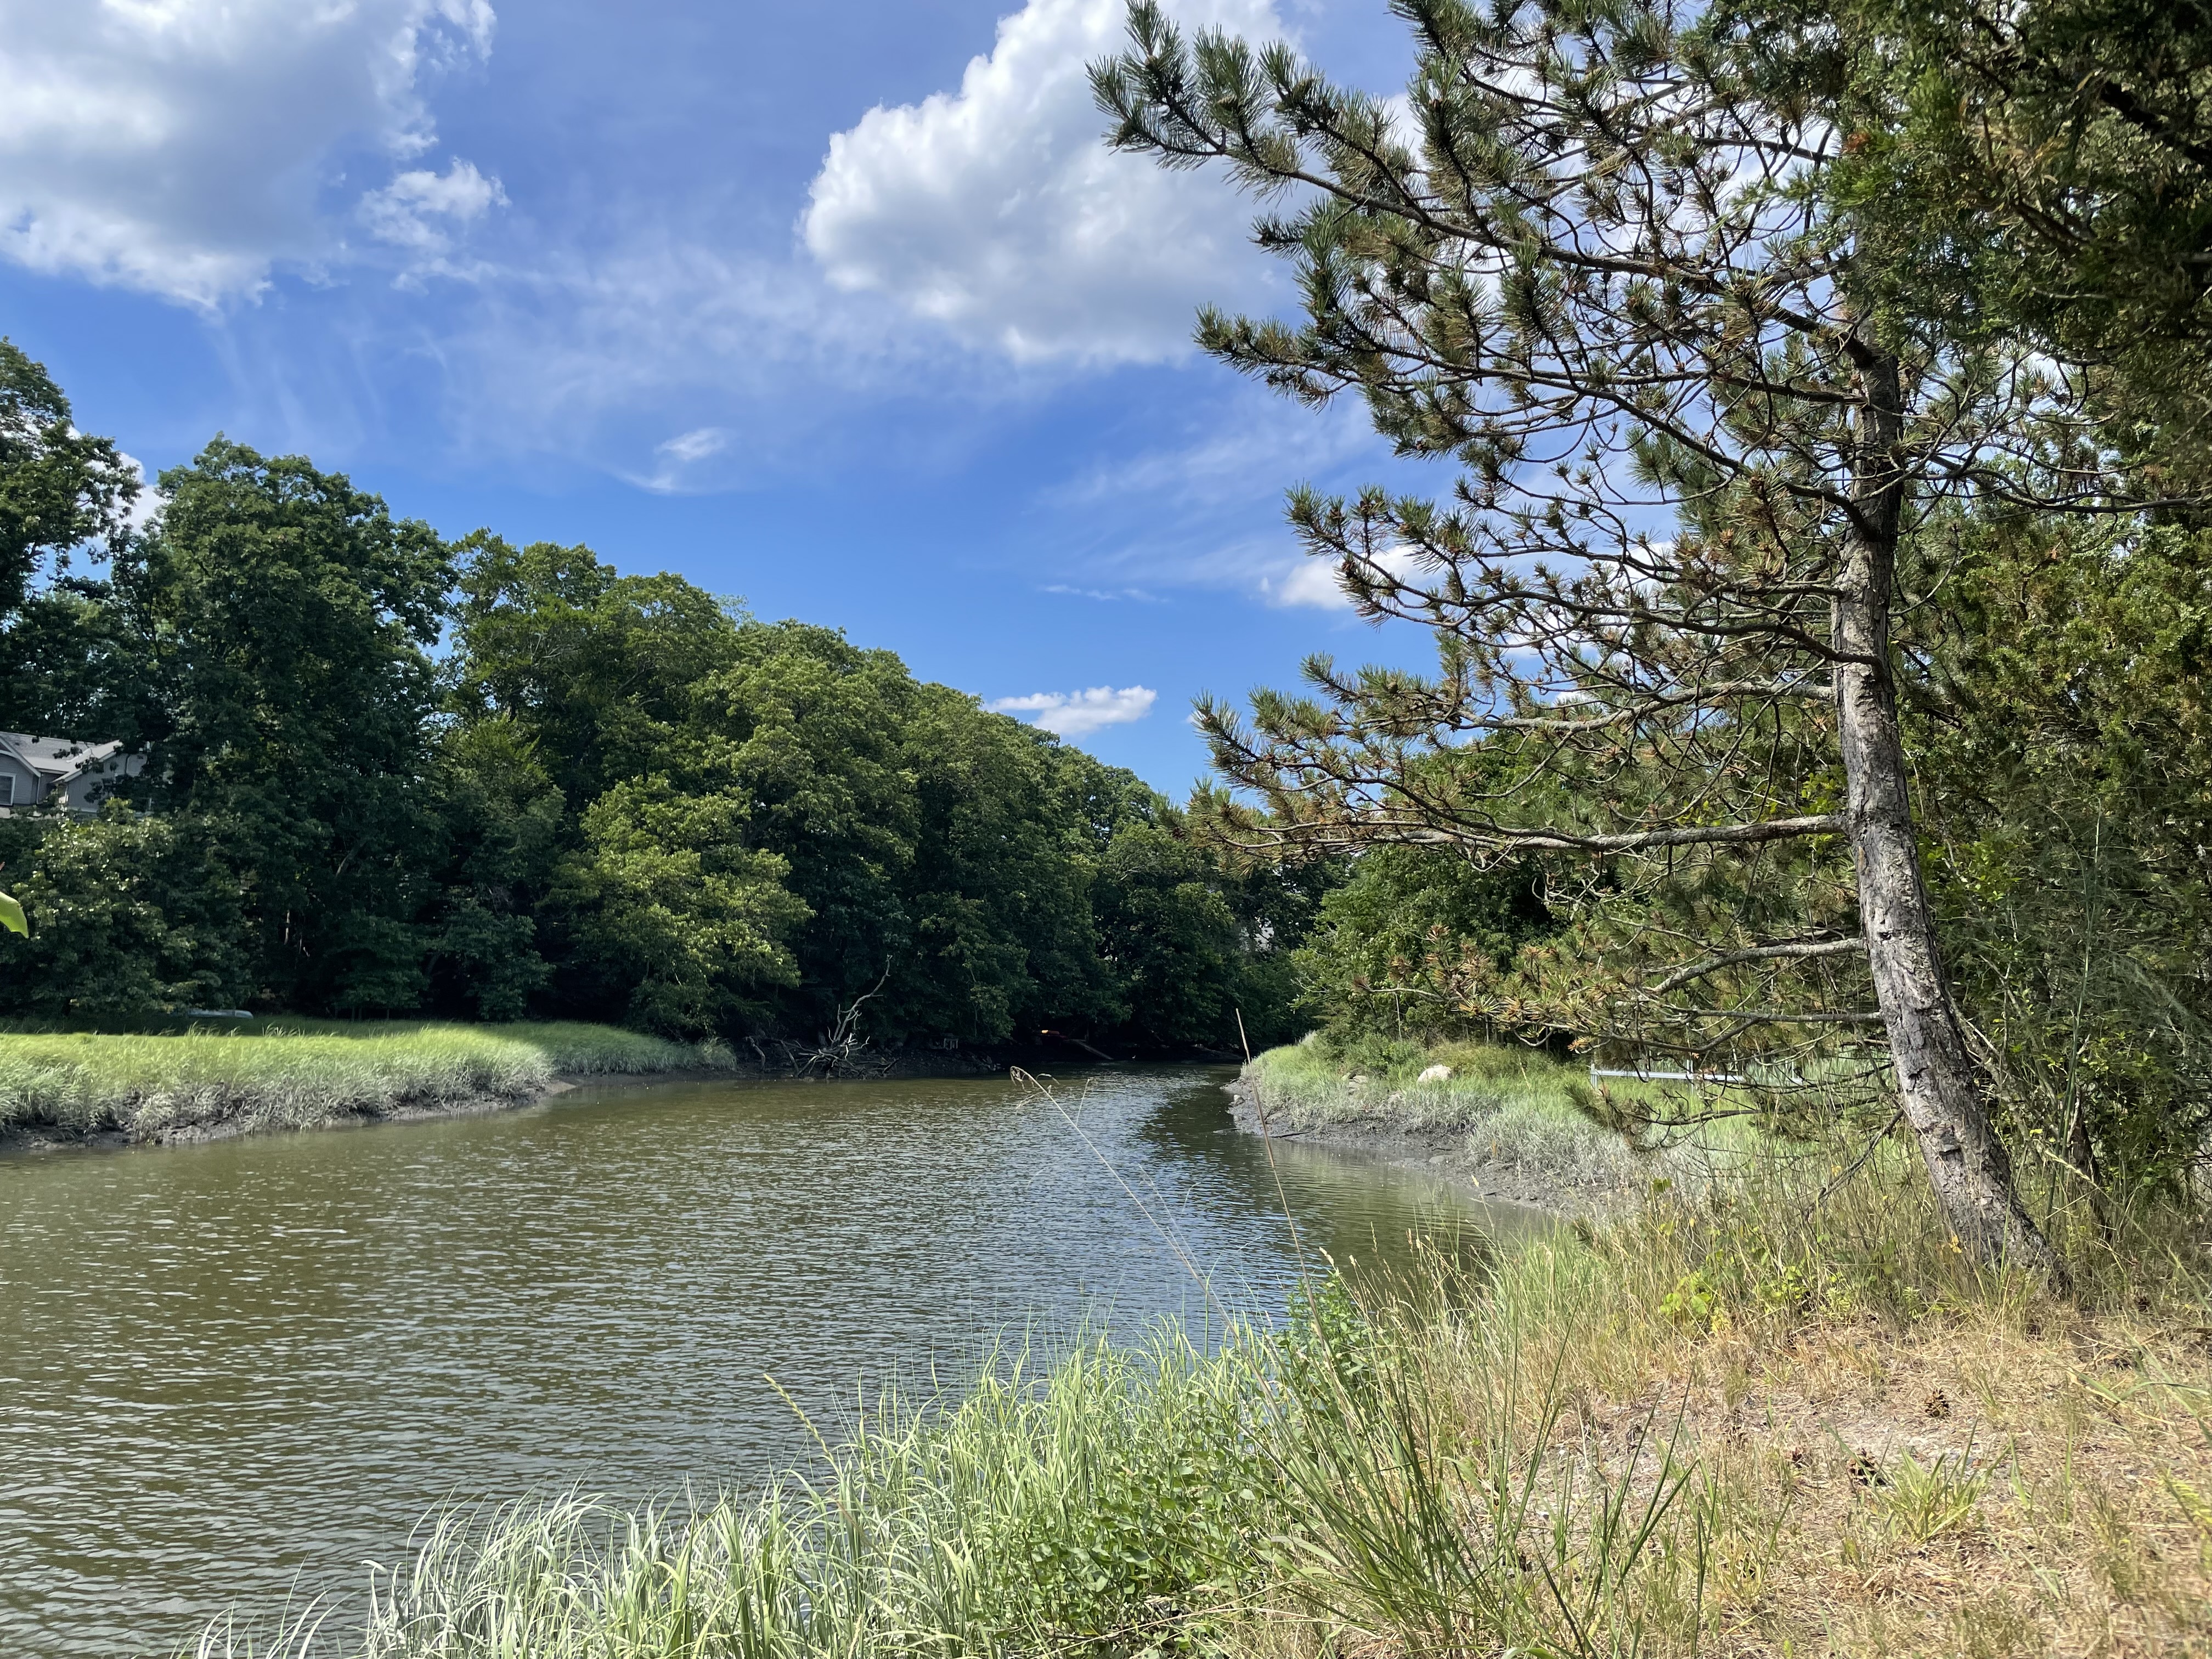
x: 236, y: 1372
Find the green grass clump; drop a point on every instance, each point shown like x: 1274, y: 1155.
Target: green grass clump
x: 1104, y: 1501
x: 285, y: 1073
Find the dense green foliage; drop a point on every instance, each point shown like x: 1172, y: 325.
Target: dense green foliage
x: 2067, y: 769
x: 2042, y: 169
x: 1398, y: 950
x: 387, y: 772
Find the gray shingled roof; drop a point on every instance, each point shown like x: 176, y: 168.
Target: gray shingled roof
x: 56, y: 758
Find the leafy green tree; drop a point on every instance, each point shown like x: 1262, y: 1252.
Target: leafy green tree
x: 597, y: 670
x: 811, y: 729
x: 1001, y: 915
x: 615, y: 796
x: 667, y: 910
x: 61, y: 491
x: 286, y: 620
x: 1599, y: 265
x: 129, y: 917
x: 1408, y: 945
x: 951, y: 865
x: 1168, y: 938
x: 1278, y: 904
x: 501, y: 821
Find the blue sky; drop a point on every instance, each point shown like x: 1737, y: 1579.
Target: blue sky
x: 840, y: 308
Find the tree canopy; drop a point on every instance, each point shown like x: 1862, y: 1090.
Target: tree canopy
x: 386, y: 772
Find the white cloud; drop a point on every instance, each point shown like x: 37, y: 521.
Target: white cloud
x: 1246, y: 451
x: 146, y: 503
x: 1107, y: 595
x: 1311, y: 582
x: 1072, y: 714
x: 678, y: 456
x: 1318, y: 583
x: 403, y: 212
x: 998, y: 211
x: 183, y: 147
x: 696, y: 446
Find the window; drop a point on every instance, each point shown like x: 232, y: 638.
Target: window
x: 7, y: 788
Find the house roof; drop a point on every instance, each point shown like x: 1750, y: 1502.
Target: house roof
x: 55, y: 759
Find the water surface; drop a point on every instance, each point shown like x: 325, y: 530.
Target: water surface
x: 227, y: 1369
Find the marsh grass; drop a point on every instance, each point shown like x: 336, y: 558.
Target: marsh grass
x: 1511, y: 1108
x: 1779, y: 1415
x: 291, y: 1073
x: 1316, y: 1083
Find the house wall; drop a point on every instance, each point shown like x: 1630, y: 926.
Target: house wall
x: 26, y: 780
x: 85, y: 792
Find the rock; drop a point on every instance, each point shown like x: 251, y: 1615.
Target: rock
x: 1436, y: 1074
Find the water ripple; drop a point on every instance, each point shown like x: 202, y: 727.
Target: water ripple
x: 228, y: 1369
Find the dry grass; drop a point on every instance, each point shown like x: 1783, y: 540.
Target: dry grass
x: 1889, y: 1455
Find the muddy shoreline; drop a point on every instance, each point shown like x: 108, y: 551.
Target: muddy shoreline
x: 252, y: 1119
x: 1447, y: 1152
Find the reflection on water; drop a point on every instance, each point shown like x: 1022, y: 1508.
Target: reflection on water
x: 225, y: 1368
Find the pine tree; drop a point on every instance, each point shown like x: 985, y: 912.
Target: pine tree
x: 1598, y: 262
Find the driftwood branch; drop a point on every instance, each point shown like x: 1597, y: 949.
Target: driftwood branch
x: 843, y: 1041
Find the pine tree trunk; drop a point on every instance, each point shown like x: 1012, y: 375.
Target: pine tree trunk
x: 1937, y: 1087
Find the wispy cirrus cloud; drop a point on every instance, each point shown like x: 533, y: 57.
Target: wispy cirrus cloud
x: 1074, y: 713
x: 1104, y: 595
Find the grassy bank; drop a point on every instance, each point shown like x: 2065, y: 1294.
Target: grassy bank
x: 1506, y: 1111
x: 1770, y: 1419
x: 284, y: 1073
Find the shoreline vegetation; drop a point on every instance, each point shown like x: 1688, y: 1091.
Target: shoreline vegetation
x: 1777, y: 1411
x: 1513, y: 1124
x: 183, y: 1081
x: 195, y: 1084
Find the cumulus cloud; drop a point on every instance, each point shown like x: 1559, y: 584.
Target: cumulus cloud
x: 1072, y: 714
x: 183, y: 147
x: 996, y: 211
x: 1311, y: 582
x: 1318, y: 583
x: 407, y: 211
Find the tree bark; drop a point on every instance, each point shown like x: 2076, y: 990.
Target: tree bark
x: 1937, y: 1087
